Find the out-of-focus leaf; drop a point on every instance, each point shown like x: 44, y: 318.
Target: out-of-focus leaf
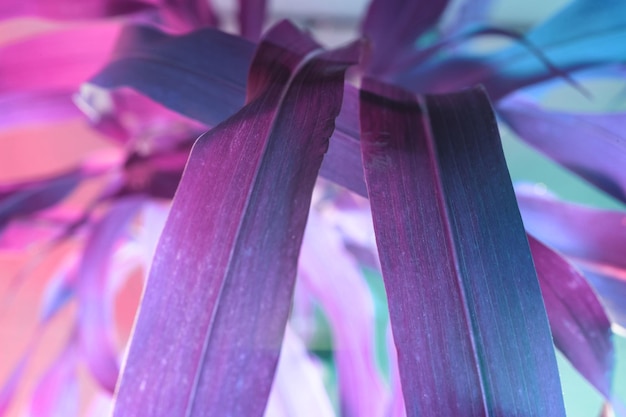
x: 68, y: 9
x: 393, y: 26
x: 251, y: 18
x: 214, y: 310
x: 56, y: 394
x: 138, y: 122
x: 9, y: 387
x: 185, y: 15
x: 201, y: 75
x: 455, y: 259
x: 328, y: 273
x: 24, y: 198
x: 19, y: 110
x: 210, y: 86
x: 94, y: 302
x: 594, y: 240
x: 591, y: 145
x: 298, y: 388
x: 580, y: 327
x: 581, y: 36
x: 75, y: 54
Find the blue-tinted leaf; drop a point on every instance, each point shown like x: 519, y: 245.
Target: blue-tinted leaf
x: 581, y: 36
x: 208, y: 334
x: 209, y: 87
x: 593, y: 240
x: 591, y: 145
x: 201, y: 75
x: 24, y: 198
x: 455, y: 259
x: 580, y: 327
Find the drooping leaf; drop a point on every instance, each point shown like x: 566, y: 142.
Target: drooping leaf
x: 581, y: 36
x: 75, y: 54
x: 592, y: 239
x: 392, y: 26
x: 94, y: 302
x: 590, y: 145
x: 210, y: 86
x: 57, y: 394
x: 455, y: 259
x: 580, y: 327
x: 209, y: 330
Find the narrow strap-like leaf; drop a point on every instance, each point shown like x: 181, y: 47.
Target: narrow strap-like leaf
x: 592, y: 239
x: 580, y: 327
x: 590, y: 145
x: 455, y: 259
x: 95, y: 321
x: 251, y: 18
x: 209, y: 331
x: 393, y: 25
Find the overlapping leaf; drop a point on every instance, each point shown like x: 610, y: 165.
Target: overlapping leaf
x: 579, y: 324
x: 594, y: 240
x: 591, y: 145
x: 213, y: 314
x: 455, y: 258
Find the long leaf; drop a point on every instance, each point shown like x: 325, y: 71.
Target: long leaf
x: 455, y: 259
x: 580, y: 326
x: 208, y: 334
x: 590, y: 145
x: 592, y: 239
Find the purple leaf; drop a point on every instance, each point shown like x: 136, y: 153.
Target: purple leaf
x: 580, y: 327
x: 251, y: 18
x: 94, y: 300
x: 591, y: 145
x: 185, y: 15
x: 68, y: 9
x: 594, y: 240
x: 24, y: 198
x: 209, y: 331
x: 393, y: 26
x: 455, y: 259
x: 208, y: 86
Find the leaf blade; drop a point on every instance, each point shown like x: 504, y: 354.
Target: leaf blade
x: 502, y: 362
x: 219, y: 324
